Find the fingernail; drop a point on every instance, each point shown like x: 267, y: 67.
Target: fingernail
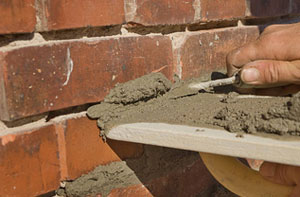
x: 268, y: 170
x: 250, y: 75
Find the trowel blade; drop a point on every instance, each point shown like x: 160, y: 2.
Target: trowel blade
x: 193, y: 88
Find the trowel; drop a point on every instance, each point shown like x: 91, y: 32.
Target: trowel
x: 195, y: 87
x: 219, y: 148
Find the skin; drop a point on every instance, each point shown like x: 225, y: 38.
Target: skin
x: 273, y: 60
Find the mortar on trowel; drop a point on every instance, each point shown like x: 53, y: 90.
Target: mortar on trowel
x: 227, y: 170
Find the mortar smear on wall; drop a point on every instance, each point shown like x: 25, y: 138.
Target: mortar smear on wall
x: 130, y: 7
x: 197, y: 8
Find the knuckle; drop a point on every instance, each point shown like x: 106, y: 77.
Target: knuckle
x: 231, y: 56
x: 271, y: 73
x: 267, y: 40
x: 283, y: 175
x: 230, y: 62
x: 268, y: 28
x: 296, y: 73
x: 271, y: 28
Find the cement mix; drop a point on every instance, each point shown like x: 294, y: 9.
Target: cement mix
x: 155, y: 163
x: 151, y: 99
x: 101, y: 181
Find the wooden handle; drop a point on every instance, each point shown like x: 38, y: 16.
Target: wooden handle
x: 240, y: 179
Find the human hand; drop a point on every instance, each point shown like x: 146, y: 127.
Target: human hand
x: 282, y: 174
x: 272, y: 60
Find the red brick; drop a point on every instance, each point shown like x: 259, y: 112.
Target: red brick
x: 66, y: 14
x: 131, y: 191
x: 268, y: 8
x: 85, y: 150
x: 222, y: 10
x: 193, y: 180
x: 153, y: 12
x: 35, y: 78
x: 203, y: 52
x: 17, y: 16
x: 126, y: 150
x: 29, y: 163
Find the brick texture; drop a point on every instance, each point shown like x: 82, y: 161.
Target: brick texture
x: 85, y: 150
x: 17, y: 16
x: 48, y: 77
x: 193, y: 11
x: 200, y: 53
x: 45, y: 76
x: 192, y: 180
x: 126, y: 150
x: 29, y: 163
x: 132, y: 191
x: 66, y: 14
x: 222, y: 10
x: 153, y: 12
x: 35, y: 161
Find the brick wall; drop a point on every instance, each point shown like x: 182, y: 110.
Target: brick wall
x: 59, y: 56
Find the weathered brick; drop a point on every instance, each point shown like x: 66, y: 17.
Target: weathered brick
x: 132, y: 191
x: 39, y: 78
x: 66, y: 14
x: 29, y: 162
x: 17, y: 16
x: 85, y: 150
x: 222, y: 10
x: 199, y: 53
x: 162, y: 12
x: 267, y: 8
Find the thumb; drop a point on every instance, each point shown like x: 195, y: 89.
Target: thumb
x: 271, y: 73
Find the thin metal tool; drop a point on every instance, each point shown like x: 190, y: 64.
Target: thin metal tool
x: 234, y: 80
x: 219, y: 82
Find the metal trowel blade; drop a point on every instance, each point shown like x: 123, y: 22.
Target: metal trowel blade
x: 194, y: 88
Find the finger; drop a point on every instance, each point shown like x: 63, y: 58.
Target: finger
x: 276, y: 27
x: 254, y: 163
x: 279, y: 173
x: 273, y: 44
x: 271, y: 73
x: 238, y: 57
x: 257, y: 50
x: 277, y: 91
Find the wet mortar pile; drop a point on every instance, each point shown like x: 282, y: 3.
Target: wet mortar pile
x: 153, y: 98
x: 101, y: 180
x: 155, y: 163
